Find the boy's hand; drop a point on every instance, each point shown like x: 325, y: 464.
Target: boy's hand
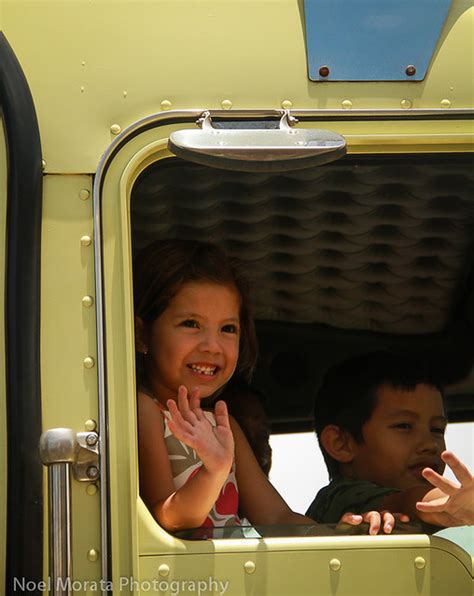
x: 455, y: 506
x: 375, y: 519
x: 214, y: 445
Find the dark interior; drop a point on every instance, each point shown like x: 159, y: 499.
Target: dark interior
x: 364, y: 253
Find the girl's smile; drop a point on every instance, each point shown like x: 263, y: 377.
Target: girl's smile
x: 195, y: 341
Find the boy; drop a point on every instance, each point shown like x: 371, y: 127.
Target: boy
x: 380, y: 423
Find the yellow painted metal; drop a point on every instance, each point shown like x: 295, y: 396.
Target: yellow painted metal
x: 107, y: 64
x: 68, y: 334
x: 3, y: 405
x: 377, y: 567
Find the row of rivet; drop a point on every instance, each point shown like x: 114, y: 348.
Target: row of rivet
x: 286, y: 104
x: 87, y: 301
x: 250, y: 567
x: 89, y: 362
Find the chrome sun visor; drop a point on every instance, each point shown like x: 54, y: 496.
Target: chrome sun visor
x: 257, y: 150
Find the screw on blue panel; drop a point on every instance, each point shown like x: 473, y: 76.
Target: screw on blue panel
x: 324, y: 71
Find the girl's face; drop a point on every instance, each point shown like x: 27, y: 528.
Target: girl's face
x: 195, y: 341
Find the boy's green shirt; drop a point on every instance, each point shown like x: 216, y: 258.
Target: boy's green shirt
x: 344, y: 495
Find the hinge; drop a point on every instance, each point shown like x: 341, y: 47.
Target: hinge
x: 86, y: 467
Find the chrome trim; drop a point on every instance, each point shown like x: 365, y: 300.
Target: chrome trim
x: 57, y: 451
x: 60, y: 529
x: 157, y: 119
x: 399, y: 112
x: 102, y: 395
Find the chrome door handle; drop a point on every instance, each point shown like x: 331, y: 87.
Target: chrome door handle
x: 63, y: 450
x: 257, y: 149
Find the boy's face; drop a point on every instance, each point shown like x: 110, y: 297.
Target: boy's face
x: 404, y: 435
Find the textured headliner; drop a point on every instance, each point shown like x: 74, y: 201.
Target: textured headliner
x: 361, y: 245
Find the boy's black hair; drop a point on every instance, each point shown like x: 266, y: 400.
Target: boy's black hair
x: 348, y: 393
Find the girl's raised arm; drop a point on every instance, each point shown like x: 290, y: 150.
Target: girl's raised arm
x: 174, y: 509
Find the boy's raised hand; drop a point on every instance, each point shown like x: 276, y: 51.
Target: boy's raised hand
x: 455, y: 505
x: 214, y: 445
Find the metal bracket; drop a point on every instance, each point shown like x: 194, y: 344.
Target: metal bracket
x: 79, y: 450
x: 86, y: 467
x: 205, y: 122
x: 287, y: 121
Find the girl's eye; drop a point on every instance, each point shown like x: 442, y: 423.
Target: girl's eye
x: 438, y: 430
x: 191, y: 323
x: 403, y: 425
x: 230, y: 328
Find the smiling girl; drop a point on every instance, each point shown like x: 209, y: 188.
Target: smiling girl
x: 194, y: 330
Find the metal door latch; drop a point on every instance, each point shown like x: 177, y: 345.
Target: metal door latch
x: 80, y: 450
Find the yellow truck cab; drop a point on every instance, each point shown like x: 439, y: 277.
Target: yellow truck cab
x: 328, y: 145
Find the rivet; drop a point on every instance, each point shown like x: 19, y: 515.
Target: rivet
x: 445, y: 103
x: 420, y: 562
x: 410, y: 70
x: 92, y: 472
x: 347, y: 104
x: 163, y: 570
x: 406, y: 103
x: 91, y: 489
x: 249, y: 567
x: 89, y: 362
x: 226, y: 104
x: 43, y: 164
x: 83, y: 63
x: 92, y: 439
x: 83, y: 89
x: 84, y: 194
x: 90, y: 425
x: 93, y: 554
x: 124, y: 93
x: 286, y: 104
x: 115, y: 129
x: 324, y: 71
x: 166, y: 105
x: 335, y: 564
x: 87, y: 301
x: 86, y: 240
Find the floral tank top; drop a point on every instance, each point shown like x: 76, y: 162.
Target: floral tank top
x: 185, y: 463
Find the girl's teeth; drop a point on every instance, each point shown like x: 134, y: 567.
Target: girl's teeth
x: 203, y: 369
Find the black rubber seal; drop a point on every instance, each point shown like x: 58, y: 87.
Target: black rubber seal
x: 24, y: 559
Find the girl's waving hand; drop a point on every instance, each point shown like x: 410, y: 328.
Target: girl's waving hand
x: 214, y: 445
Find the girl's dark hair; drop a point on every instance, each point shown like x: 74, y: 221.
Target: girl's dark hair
x: 163, y: 267
x: 348, y: 393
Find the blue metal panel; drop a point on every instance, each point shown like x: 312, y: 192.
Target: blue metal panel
x: 372, y: 40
